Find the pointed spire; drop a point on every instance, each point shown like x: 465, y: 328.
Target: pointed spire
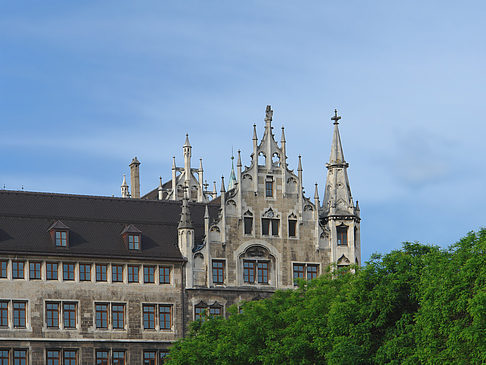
x: 214, y: 189
x: 200, y: 165
x: 124, y: 182
x: 173, y: 163
x: 337, y: 155
x: 255, y: 138
x: 222, y: 185
x: 187, y: 144
x: 185, y: 221
x: 160, y: 189
x: 316, y: 193
x: 238, y: 164
x: 160, y: 183
x: 299, y: 167
x: 283, y: 135
x: 357, y: 206
x: 232, y: 178
x: 206, y: 212
x: 124, y: 188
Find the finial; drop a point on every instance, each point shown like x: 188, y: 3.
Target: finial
x: 222, y: 184
x: 232, y: 154
x: 283, y: 135
x: 135, y: 161
x: 160, y: 183
x: 238, y: 164
x: 316, y: 193
x: 214, y: 187
x: 200, y: 164
x: 336, y: 117
x: 299, y: 168
x: 124, y: 183
x: 254, y: 133
x: 187, y: 144
x: 173, y: 163
x: 206, y: 212
x: 268, y: 113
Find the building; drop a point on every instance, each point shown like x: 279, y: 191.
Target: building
x: 102, y: 280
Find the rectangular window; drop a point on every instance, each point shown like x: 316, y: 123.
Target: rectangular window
x: 269, y: 187
x: 118, y: 357
x: 248, y: 221
x: 101, y: 357
x: 18, y: 269
x: 275, y: 224
x: 69, y: 357
x: 68, y: 272
x: 3, y: 313
x: 133, y: 274
x: 4, y: 357
x: 133, y: 242
x: 292, y: 227
x: 51, y: 271
x: 101, y: 315
x: 20, y: 357
x: 69, y: 315
x: 149, y: 274
x: 117, y: 273
x: 149, y: 357
x: 149, y: 316
x: 61, y: 238
x: 218, y: 272
x: 312, y: 271
x: 53, y: 357
x: 249, y: 271
x: 265, y: 226
x: 101, y: 270
x: 215, y: 311
x: 298, y: 272
x: 199, y: 312
x: 342, y: 235
x: 52, y: 315
x: 3, y: 269
x: 34, y: 270
x: 19, y: 314
x: 164, y: 275
x: 84, y: 272
x: 165, y: 317
x: 118, y: 316
x: 263, y: 272
x: 163, y: 354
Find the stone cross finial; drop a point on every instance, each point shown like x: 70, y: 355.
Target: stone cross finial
x: 336, y: 117
x: 268, y: 113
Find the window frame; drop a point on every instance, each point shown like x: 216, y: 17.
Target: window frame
x: 117, y: 273
x: 101, y: 277
x: 165, y: 320
x: 218, y: 279
x: 149, y: 276
x: 61, y: 238
x: 3, y: 269
x: 134, y: 241
x: 149, y: 318
x: 17, y: 311
x: 83, y: 274
x: 51, y: 360
x: 131, y: 274
x: 22, y: 360
x: 162, y: 274
x: 115, y: 316
x: 4, y: 313
x: 51, y: 273
x: 342, y: 235
x: 71, y: 274
x: 248, y: 223
x: 102, y: 360
x: 102, y: 316
x: 53, y: 314
x: 269, y: 187
x: 292, y: 222
x: 16, y: 269
x: 72, y: 315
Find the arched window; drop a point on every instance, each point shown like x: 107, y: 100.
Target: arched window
x: 248, y: 222
x: 257, y: 266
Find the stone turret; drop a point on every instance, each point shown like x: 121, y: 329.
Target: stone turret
x: 185, y: 240
x: 135, y: 177
x: 124, y: 188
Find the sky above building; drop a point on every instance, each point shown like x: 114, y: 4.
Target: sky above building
x: 86, y: 86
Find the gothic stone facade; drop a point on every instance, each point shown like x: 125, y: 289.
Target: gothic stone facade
x: 86, y: 278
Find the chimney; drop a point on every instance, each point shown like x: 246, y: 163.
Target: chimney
x: 135, y: 178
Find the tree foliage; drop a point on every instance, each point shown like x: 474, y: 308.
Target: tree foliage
x: 417, y: 305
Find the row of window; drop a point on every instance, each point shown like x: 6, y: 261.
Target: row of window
x: 70, y: 271
x: 64, y: 315
x: 71, y: 357
x: 270, y: 226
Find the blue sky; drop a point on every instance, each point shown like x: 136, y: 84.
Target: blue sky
x: 85, y: 86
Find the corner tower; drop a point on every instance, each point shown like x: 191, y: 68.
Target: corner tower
x: 339, y: 215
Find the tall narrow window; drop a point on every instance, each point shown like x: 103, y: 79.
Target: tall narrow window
x: 3, y: 269
x: 20, y: 357
x: 312, y: 271
x: 133, y: 241
x: 117, y: 273
x: 51, y: 271
x: 218, y: 271
x: 275, y: 224
x: 68, y: 272
x: 53, y: 357
x: 119, y: 358
x: 265, y: 226
x: 84, y: 272
x: 101, y: 270
x: 165, y: 317
x: 299, y: 270
x: 133, y: 274
x: 263, y: 272
x: 18, y: 269
x: 149, y: 316
x: 292, y: 227
x: 248, y: 222
x: 101, y: 357
x: 4, y: 357
x: 118, y: 316
x: 269, y: 186
x: 61, y: 238
x: 342, y: 235
x: 199, y: 311
x: 149, y: 357
x: 149, y: 274
x: 101, y: 315
x: 69, y: 357
x: 249, y: 271
x: 52, y: 315
x: 69, y: 315
x: 164, y: 275
x: 19, y: 314
x: 3, y: 313
x: 34, y: 270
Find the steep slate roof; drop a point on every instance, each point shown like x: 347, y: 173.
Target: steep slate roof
x: 95, y: 224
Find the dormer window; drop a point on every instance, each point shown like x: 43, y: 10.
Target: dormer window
x: 59, y: 234
x: 132, y: 237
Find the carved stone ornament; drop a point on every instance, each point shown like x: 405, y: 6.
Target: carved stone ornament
x: 247, y: 176
x: 256, y: 251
